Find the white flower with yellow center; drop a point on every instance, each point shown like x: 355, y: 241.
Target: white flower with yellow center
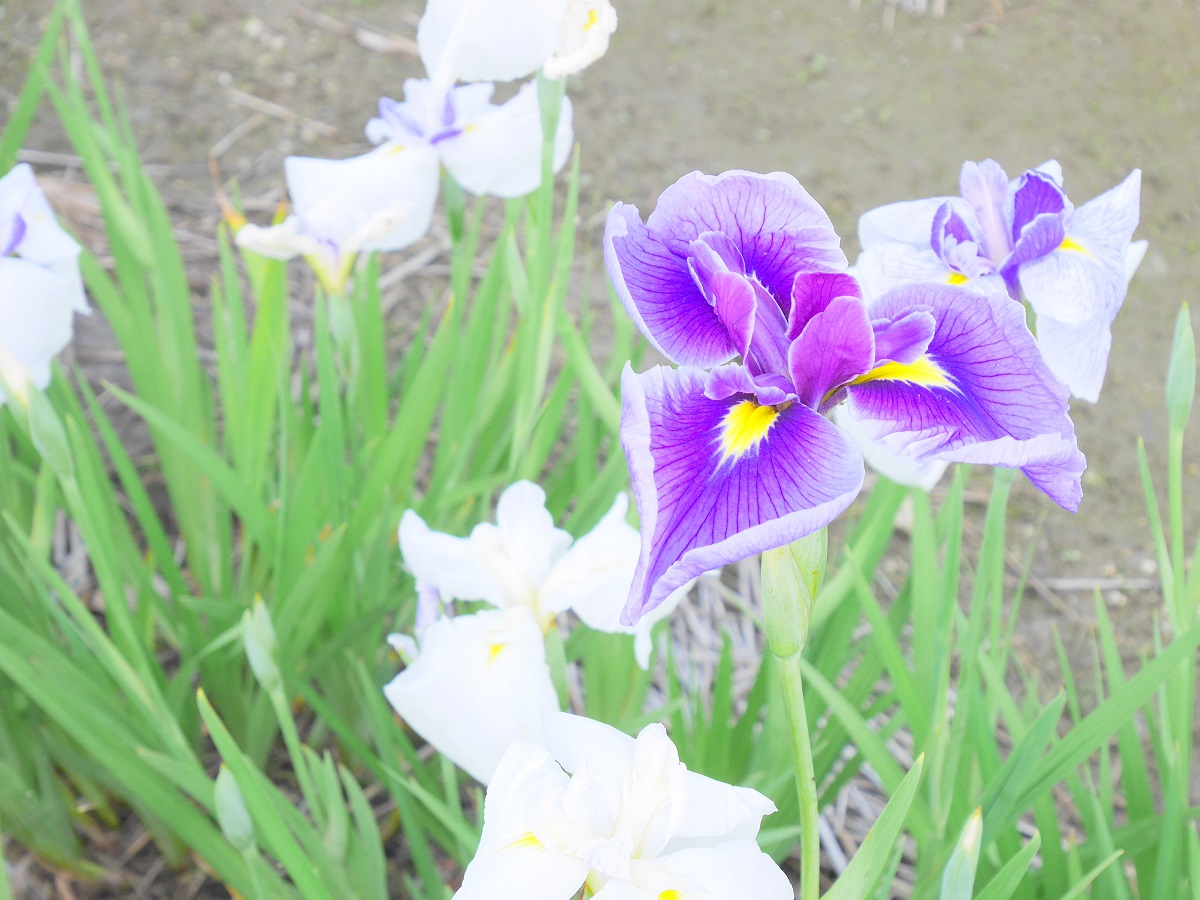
x: 476, y: 683
x: 592, y: 806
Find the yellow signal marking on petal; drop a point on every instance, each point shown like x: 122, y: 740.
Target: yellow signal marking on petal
x: 670, y: 895
x: 956, y: 278
x: 1072, y: 244
x: 494, y: 651
x: 526, y: 840
x: 744, y: 427
x: 923, y: 371
x: 592, y: 19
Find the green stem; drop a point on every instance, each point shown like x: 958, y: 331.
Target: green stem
x: 791, y: 577
x: 806, y: 779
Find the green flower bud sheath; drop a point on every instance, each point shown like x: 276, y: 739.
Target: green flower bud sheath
x: 791, y: 577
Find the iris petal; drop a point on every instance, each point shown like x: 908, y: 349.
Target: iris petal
x: 701, y: 510
x: 1002, y: 407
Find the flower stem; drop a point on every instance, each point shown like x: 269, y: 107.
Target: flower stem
x: 791, y: 576
x: 806, y: 781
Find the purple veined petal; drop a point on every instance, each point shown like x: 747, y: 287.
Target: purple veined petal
x: 1041, y: 237
x: 906, y: 222
x: 984, y: 186
x: 779, y: 229
x: 981, y: 394
x: 717, y: 481
x: 658, y: 292
x: 1076, y: 285
x: 768, y: 388
x: 734, y: 303
x: 1111, y: 217
x: 903, y: 340
x: 812, y: 292
x: 947, y: 223
x: 713, y: 252
x: 769, y: 345
x: 499, y: 154
x: 1034, y: 195
x: 836, y: 346
x: 1086, y: 276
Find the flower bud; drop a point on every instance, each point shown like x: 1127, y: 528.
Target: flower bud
x: 258, y: 637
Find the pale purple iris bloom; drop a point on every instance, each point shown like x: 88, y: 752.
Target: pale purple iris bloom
x: 740, y: 459
x: 1071, y: 265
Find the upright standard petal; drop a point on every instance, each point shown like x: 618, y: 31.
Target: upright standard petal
x: 779, y: 229
x: 479, y: 683
x: 656, y: 287
x: 984, y: 185
x: 488, y: 40
x: 524, y: 545
x: 718, y: 481
x: 500, y: 153
x: 981, y: 393
x: 835, y: 346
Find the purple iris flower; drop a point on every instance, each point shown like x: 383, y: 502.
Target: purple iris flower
x: 1071, y: 265
x: 729, y: 460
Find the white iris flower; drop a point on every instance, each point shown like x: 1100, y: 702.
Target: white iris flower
x: 476, y: 683
x: 592, y: 806
x: 40, y: 286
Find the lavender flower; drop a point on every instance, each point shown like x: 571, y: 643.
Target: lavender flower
x: 740, y: 459
x: 1071, y: 265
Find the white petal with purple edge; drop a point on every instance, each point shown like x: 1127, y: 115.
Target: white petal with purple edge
x: 500, y: 154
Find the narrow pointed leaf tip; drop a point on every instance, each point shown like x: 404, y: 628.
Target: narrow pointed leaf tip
x: 1181, y: 373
